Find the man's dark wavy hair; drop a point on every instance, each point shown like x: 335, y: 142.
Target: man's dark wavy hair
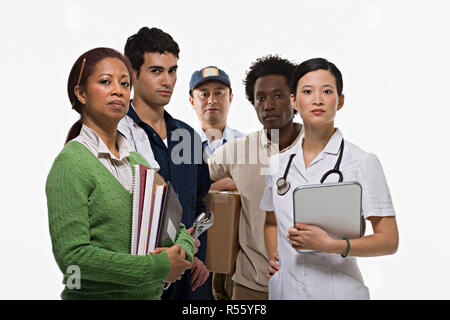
x: 149, y: 40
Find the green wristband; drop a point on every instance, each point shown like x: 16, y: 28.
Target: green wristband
x: 348, y: 248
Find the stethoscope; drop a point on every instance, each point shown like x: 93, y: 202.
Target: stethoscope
x: 283, y: 185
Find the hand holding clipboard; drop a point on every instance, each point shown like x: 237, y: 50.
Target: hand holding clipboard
x: 333, y: 207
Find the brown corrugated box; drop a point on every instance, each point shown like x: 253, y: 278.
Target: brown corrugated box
x: 223, y: 241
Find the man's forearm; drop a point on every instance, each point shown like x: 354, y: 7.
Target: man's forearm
x: 225, y: 184
x: 270, y: 238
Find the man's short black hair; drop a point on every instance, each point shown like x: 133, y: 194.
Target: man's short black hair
x: 149, y: 40
x: 267, y: 65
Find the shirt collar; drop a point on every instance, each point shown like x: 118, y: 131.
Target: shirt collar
x: 267, y: 144
x: 101, y: 148
x: 333, y: 144
x: 227, y: 134
x: 133, y: 115
x: 332, y: 147
x: 201, y: 133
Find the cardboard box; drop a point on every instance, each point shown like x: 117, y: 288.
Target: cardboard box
x: 223, y: 241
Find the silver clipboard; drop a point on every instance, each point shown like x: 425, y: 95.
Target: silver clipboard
x: 334, y: 207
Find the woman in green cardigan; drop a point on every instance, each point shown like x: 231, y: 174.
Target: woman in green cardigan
x: 88, y: 193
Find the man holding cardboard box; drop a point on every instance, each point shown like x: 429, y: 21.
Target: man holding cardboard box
x: 245, y: 161
x: 210, y: 95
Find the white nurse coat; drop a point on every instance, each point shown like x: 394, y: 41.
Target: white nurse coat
x: 318, y: 275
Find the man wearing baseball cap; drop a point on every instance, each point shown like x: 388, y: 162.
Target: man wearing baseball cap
x: 210, y: 95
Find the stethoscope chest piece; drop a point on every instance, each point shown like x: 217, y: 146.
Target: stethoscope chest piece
x: 282, y: 186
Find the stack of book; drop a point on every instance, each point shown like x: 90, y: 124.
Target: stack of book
x: 156, y: 212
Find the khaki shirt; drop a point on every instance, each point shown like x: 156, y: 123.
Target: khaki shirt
x: 245, y: 160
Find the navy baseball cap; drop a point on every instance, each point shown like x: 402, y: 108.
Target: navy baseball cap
x: 208, y: 74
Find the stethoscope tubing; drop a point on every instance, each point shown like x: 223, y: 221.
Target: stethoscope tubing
x: 283, y: 185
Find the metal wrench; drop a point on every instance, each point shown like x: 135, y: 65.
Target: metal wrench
x: 202, y: 223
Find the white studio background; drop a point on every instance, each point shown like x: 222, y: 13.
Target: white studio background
x: 394, y: 56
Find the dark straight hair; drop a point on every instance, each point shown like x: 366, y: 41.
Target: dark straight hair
x: 81, y: 70
x: 313, y: 65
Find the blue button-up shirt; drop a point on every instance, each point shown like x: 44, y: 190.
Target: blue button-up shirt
x: 182, y: 164
x: 227, y: 135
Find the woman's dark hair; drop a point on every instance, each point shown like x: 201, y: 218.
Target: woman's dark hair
x: 313, y: 65
x: 149, y: 40
x: 265, y: 66
x: 81, y: 70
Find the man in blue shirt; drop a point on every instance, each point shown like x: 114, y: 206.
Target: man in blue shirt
x: 175, y: 146
x: 210, y: 95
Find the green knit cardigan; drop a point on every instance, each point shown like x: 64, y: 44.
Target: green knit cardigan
x: 90, y: 227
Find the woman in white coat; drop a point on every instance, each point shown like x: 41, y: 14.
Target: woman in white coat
x: 330, y: 271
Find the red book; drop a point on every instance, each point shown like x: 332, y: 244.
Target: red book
x: 142, y: 178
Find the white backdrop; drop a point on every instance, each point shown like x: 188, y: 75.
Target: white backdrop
x: 394, y: 56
